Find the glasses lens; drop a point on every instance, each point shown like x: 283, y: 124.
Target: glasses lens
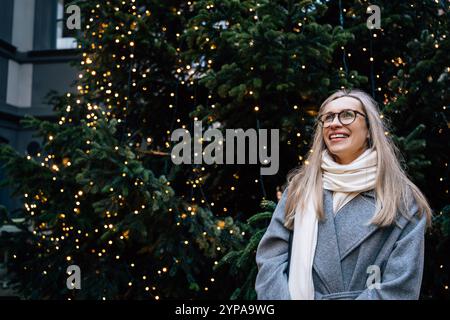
x: 347, y: 116
x: 326, y: 119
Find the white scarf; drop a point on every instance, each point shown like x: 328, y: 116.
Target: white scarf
x: 346, y: 180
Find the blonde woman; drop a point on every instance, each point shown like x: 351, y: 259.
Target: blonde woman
x: 350, y: 224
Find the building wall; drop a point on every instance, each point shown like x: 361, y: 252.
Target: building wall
x: 48, y: 77
x: 3, y: 78
x: 44, y: 26
x: 30, y: 67
x: 6, y: 17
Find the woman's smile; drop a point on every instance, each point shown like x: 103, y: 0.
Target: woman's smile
x: 333, y: 140
x: 338, y: 136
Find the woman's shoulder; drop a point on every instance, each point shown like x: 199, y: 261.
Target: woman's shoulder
x: 409, y: 211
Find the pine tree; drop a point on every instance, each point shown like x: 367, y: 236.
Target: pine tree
x: 101, y: 193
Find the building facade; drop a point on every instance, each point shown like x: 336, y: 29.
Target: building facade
x: 36, y: 51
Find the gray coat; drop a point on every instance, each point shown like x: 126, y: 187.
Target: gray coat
x: 348, y: 253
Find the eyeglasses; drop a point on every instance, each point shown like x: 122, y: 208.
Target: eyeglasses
x: 345, y: 117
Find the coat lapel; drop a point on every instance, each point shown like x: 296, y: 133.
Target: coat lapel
x: 338, y: 235
x: 327, y: 260
x: 352, y: 222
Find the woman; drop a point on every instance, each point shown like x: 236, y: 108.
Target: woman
x: 350, y: 224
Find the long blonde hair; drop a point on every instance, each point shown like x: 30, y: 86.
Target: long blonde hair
x: 393, y: 188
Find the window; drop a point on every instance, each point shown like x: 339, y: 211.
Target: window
x: 65, y: 38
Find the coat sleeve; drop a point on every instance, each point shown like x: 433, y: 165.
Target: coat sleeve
x: 402, y: 275
x: 272, y: 258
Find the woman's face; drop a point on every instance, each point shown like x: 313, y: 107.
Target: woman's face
x: 345, y: 150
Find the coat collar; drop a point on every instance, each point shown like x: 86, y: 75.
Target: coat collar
x: 338, y: 235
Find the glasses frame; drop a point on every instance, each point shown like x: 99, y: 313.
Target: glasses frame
x: 339, y: 117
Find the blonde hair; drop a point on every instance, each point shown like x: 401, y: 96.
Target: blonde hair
x: 393, y: 188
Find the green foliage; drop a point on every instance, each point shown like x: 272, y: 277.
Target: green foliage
x: 412, y: 147
x: 443, y: 220
x: 242, y: 260
x: 146, y: 231
x: 97, y: 195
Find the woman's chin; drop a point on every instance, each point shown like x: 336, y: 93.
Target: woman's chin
x: 336, y: 149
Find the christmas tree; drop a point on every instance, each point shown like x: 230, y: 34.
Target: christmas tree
x: 101, y: 193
